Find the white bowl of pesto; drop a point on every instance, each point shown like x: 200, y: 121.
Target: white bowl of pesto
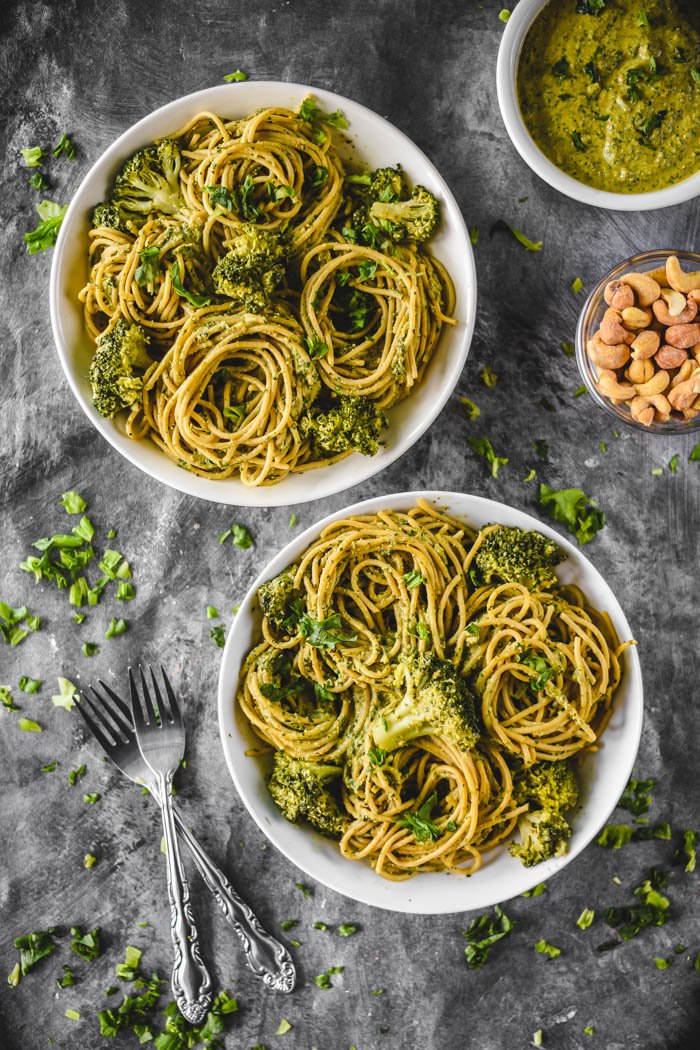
x: 601, y: 98
x: 370, y: 141
x: 603, y: 774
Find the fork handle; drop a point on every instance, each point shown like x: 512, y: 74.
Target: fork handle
x: 264, y: 955
x: 191, y: 982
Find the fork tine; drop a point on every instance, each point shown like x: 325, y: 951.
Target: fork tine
x: 94, y: 727
x: 121, y: 719
x: 162, y: 706
x: 174, y: 706
x: 121, y: 704
x: 140, y: 717
x: 151, y: 715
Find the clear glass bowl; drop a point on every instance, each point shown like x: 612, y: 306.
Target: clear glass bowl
x: 591, y: 316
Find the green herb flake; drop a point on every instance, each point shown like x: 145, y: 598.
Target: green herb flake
x: 304, y: 889
x: 474, y: 235
x: 218, y: 634
x: 688, y: 849
x: 413, y: 579
x: 656, y: 472
x: 125, y: 591
x: 545, y: 948
x: 588, y: 1030
x: 49, y: 767
x: 537, y: 1037
x: 504, y: 15
x: 531, y: 475
x: 483, y: 447
x: 321, y: 926
x: 537, y: 890
x: 673, y: 463
x: 642, y: 19
x: 569, y: 349
x: 585, y: 918
x: 488, y: 377
x: 292, y: 521
x: 73, y: 502
x: 90, y: 648
x: 662, y: 964
x: 46, y: 233
x: 574, y: 509
x: 92, y: 797
x: 116, y: 627
x: 64, y: 146
x: 578, y: 142
x: 530, y: 246
x: 346, y: 929
x: 29, y: 725
x: 472, y: 411
x: 66, y: 696
x: 32, y: 156
x: 13, y: 978
x: 236, y: 77
x: 694, y: 456
x: 580, y: 391
x: 89, y: 860
x: 577, y: 286
x: 423, y: 828
x: 483, y: 932
x: 284, y: 1027
x: 33, y: 947
x: 72, y: 1015
x: 212, y: 612
x: 29, y: 685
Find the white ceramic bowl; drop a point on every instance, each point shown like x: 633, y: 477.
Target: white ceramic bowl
x: 501, y: 877
x: 377, y: 143
x: 508, y: 56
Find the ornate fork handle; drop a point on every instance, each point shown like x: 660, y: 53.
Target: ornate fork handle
x: 191, y: 982
x: 265, y: 956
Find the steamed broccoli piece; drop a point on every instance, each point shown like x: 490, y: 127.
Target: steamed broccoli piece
x: 516, y: 556
x: 108, y: 214
x: 252, y: 269
x: 543, y: 835
x: 276, y: 595
x: 548, y: 785
x: 387, y: 184
x: 439, y: 703
x: 300, y: 790
x: 352, y: 424
x: 412, y: 220
x: 149, y: 182
x: 119, y: 351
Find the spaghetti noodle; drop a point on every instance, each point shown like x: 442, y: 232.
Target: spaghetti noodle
x: 342, y: 632
x: 286, y: 365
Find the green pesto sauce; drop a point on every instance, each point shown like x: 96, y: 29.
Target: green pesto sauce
x: 612, y: 102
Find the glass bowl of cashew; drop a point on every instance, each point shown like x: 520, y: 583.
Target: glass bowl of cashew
x: 638, y: 342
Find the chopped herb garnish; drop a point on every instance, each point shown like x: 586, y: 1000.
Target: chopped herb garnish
x: 92, y: 797
x: 46, y: 233
x: 292, y: 521
x: 483, y: 447
x: 304, y: 889
x: 413, y: 579
x: 90, y: 648
x: 545, y: 948
x: 322, y: 634
x: 483, y: 932
x: 577, y: 141
x: 317, y: 349
x: 653, y: 911
x: 642, y: 19
x: 235, y: 77
x: 346, y: 929
x: 64, y: 145
x: 49, y: 767
x: 33, y: 947
x: 636, y: 798
x: 687, y: 850
x: 504, y: 15
x: 488, y: 377
x: 585, y: 918
x: 574, y: 509
x: 568, y: 349
x: 125, y: 591
x: 218, y: 633
x: 240, y: 537
x: 86, y: 945
x: 673, y: 463
x: 176, y: 277
x: 321, y: 926
x: 537, y: 890
x: 561, y: 68
x: 530, y: 246
x: 32, y: 156
x: 289, y: 924
x: 38, y: 182
x: 472, y: 410
x: 580, y: 391
x: 29, y: 725
x: 419, y: 823
x: 149, y: 267
x: 116, y: 627
x: 29, y: 685
x: 577, y: 285
x: 66, y: 696
x: 284, y: 1027
x: 72, y: 1015
x: 73, y: 502
x: 89, y: 860
x: 212, y: 612
x: 75, y: 775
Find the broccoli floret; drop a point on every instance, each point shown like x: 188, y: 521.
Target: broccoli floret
x: 299, y: 789
x: 253, y: 268
x: 548, y: 785
x: 119, y: 351
x: 412, y: 220
x: 108, y: 214
x: 515, y: 556
x: 352, y: 424
x: 543, y: 835
x: 438, y: 703
x: 387, y: 184
x: 149, y: 182
x: 276, y: 595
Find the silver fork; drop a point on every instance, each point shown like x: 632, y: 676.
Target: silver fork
x: 108, y: 718
x: 161, y: 740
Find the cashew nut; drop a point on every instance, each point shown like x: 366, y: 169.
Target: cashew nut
x: 609, y: 387
x: 656, y: 385
x: 646, y: 344
x: 674, y: 310
x: 695, y: 351
x: 636, y: 318
x: 682, y: 396
x: 662, y: 407
x: 670, y: 357
x: 658, y: 275
x: 683, y: 373
x: 642, y: 410
x: 612, y: 330
x: 645, y: 287
x: 683, y: 335
x: 604, y: 355
x: 678, y: 278
x: 640, y: 370
x: 618, y: 295
x: 690, y: 413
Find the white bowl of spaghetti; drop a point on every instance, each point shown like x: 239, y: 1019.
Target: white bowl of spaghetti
x: 188, y: 422
x: 386, y: 566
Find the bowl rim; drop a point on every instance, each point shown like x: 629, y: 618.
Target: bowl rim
x: 303, y: 858
x: 326, y: 481
x: 516, y: 29
x: 583, y: 327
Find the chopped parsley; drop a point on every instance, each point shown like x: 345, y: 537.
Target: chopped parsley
x: 545, y: 948
x: 89, y: 860
x: 29, y: 725
x: 321, y: 926
x: 537, y: 890
x: 64, y: 145
x: 530, y: 246
x: 33, y: 947
x: 346, y: 929
x: 577, y: 285
x: 673, y: 463
x: 66, y: 696
x: 577, y: 141
x: 423, y: 828
x: 377, y: 756
x: 218, y: 634
x: 483, y: 447
x: 116, y: 627
x: 585, y: 919
x: 46, y: 233
x: 483, y: 932
x: 488, y: 377
x: 29, y: 685
x: 32, y: 156
x: 73, y: 502
x: 687, y: 850
x: 652, y: 911
x: 472, y: 411
x: 240, y: 537
x: 474, y: 235
x: 148, y: 268
x: 572, y: 508
x: 569, y: 349
x: 176, y: 277
x: 413, y: 579
x: 304, y: 889
x: 636, y: 798
x: 504, y: 15
x: 292, y: 521
x: 322, y: 634
x: 236, y: 77
x: 90, y: 648
x: 284, y: 1027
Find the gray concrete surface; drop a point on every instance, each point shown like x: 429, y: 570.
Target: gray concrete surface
x: 92, y: 69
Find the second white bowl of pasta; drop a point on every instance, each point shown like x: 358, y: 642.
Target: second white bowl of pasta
x: 397, y: 716
x: 242, y: 320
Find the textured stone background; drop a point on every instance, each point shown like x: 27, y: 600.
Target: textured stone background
x: 93, y: 69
